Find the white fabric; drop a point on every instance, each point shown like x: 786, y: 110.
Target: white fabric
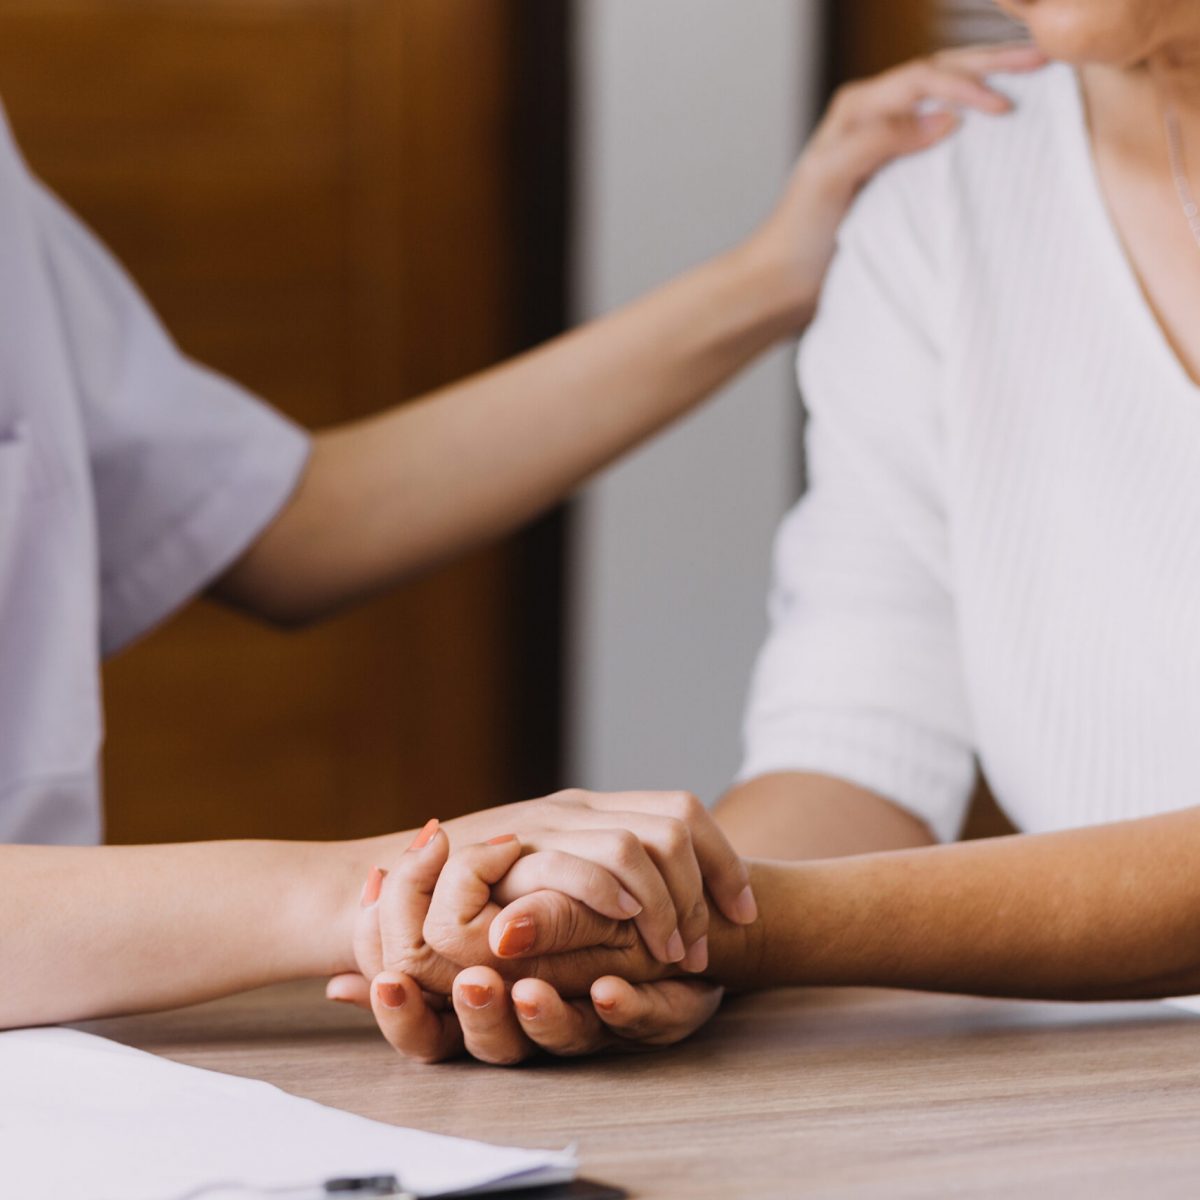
x: 129, y: 478
x: 999, y: 554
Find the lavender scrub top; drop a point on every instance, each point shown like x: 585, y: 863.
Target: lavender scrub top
x: 130, y: 477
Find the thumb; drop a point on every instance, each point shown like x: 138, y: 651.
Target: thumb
x: 552, y: 923
x: 349, y: 989
x: 461, y: 909
x: 408, y: 890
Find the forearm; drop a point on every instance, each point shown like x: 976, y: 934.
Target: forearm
x: 1109, y: 912
x: 799, y: 815
x: 93, y: 931
x: 399, y: 492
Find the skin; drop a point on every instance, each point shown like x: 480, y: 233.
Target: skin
x: 99, y: 931
x: 1135, y: 57
x: 1109, y: 912
x: 92, y: 931
x: 501, y: 1014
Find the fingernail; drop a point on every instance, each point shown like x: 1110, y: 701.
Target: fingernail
x: 605, y: 1005
x: 674, y: 947
x: 393, y: 995
x: 340, y: 999
x: 696, y: 959
x: 745, y: 907
x: 426, y: 835
x: 475, y: 996
x: 502, y: 839
x: 373, y: 886
x: 527, y: 1009
x: 518, y: 937
x: 628, y: 904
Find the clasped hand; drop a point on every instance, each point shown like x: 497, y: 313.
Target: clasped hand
x: 575, y: 935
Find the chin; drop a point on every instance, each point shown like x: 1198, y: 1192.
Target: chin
x: 1086, y: 31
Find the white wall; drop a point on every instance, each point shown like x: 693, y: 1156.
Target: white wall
x: 691, y: 113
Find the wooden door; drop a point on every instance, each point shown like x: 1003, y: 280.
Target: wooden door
x: 317, y: 195
x: 867, y: 36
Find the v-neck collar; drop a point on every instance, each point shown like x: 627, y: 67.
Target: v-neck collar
x: 1095, y: 209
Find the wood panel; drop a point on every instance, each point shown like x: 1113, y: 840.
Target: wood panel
x: 316, y: 196
x: 867, y: 36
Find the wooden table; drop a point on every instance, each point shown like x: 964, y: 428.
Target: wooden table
x: 828, y: 1094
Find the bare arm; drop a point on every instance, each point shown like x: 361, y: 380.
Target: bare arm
x: 1108, y: 912
x: 93, y: 931
x: 399, y: 492
x: 798, y: 815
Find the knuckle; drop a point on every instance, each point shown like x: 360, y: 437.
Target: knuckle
x: 449, y: 941
x: 627, y: 848
x: 686, y: 807
x: 570, y: 923
x: 560, y: 927
x: 555, y: 863
x: 676, y: 837
x: 662, y: 911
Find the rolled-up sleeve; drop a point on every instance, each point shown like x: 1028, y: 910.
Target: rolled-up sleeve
x: 860, y: 677
x: 187, y: 468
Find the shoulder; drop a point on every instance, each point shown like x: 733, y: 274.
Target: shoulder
x: 1046, y: 108
x: 12, y: 162
x: 911, y: 208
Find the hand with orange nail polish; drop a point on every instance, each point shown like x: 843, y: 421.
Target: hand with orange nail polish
x: 656, y: 858
x: 432, y: 913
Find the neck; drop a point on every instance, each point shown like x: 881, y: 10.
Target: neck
x: 1175, y: 73
x: 1126, y: 106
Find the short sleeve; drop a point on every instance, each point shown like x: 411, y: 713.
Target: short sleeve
x: 187, y: 468
x: 860, y: 677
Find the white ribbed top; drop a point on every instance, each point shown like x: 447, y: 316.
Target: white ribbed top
x: 999, y: 553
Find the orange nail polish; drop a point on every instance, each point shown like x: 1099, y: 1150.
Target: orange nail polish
x: 373, y: 886
x: 427, y: 834
x: 393, y: 995
x: 527, y: 1009
x: 475, y: 996
x: 503, y: 839
x: 518, y: 937
x: 605, y: 1005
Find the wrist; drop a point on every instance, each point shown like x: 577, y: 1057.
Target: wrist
x: 766, y: 952
x: 782, y: 297
x: 324, y: 896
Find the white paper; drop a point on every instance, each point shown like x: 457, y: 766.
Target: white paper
x: 1191, y: 1003
x: 90, y: 1119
